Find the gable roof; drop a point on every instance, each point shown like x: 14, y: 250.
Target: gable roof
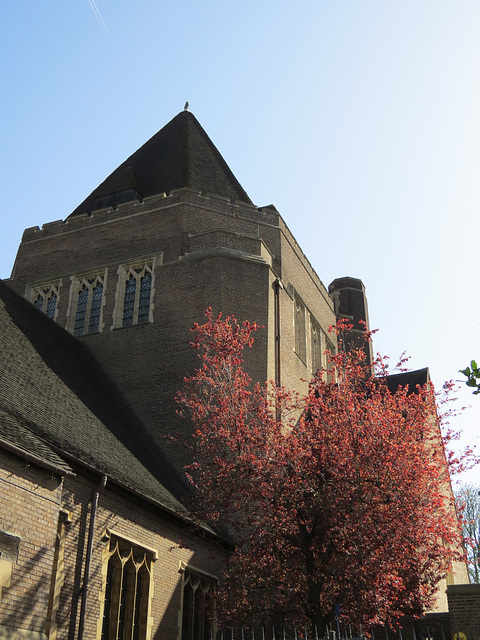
x: 57, y: 404
x: 179, y: 155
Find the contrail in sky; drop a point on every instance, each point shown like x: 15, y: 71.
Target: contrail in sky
x: 100, y: 19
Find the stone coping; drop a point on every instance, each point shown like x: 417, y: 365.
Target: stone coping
x: 463, y: 589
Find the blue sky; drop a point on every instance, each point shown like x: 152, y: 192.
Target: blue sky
x: 358, y: 119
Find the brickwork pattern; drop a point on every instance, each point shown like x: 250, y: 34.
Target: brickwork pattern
x: 464, y: 608
x: 173, y: 543
x: 30, y: 502
x: 214, y: 253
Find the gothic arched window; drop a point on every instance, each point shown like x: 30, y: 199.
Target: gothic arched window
x: 85, y: 314
x: 45, y: 298
x: 197, y: 614
x: 127, y: 591
x: 135, y: 291
x: 138, y: 291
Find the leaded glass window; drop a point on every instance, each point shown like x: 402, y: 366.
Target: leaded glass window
x: 96, y: 308
x: 125, y: 610
x: 45, y: 299
x: 137, y: 296
x: 197, y: 614
x: 89, y: 301
x: 81, y: 311
x: 144, y: 300
x: 51, y: 305
x: 129, y: 302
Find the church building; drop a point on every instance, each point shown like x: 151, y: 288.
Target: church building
x: 96, y: 540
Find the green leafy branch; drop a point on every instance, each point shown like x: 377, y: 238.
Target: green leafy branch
x: 473, y: 374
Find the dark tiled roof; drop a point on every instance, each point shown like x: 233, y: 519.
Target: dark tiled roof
x: 179, y: 155
x: 14, y: 433
x: 56, y: 401
x: 420, y: 377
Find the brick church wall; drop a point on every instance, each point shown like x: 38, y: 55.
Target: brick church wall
x: 30, y: 499
x: 174, y: 543
x: 210, y: 252
x: 464, y: 609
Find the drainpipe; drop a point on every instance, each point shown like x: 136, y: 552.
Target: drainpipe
x: 88, y: 557
x: 277, y: 285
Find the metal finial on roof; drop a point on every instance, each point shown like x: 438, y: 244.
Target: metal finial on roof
x: 186, y: 107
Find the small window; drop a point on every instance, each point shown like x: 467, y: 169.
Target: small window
x: 85, y: 315
x: 299, y: 324
x: 197, y: 615
x: 127, y: 591
x: 329, y: 351
x: 316, y: 343
x: 45, y: 298
x: 134, y: 304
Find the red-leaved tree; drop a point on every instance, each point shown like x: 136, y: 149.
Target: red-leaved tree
x: 338, y: 503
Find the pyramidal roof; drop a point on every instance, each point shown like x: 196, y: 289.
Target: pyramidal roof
x: 179, y: 155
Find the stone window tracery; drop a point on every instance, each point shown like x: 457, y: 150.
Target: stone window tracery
x: 127, y: 591
x: 86, y: 304
x: 134, y: 298
x: 138, y: 289
x: 198, y: 611
x: 45, y: 298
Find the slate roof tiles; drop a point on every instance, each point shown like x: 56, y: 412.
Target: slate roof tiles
x: 57, y: 404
